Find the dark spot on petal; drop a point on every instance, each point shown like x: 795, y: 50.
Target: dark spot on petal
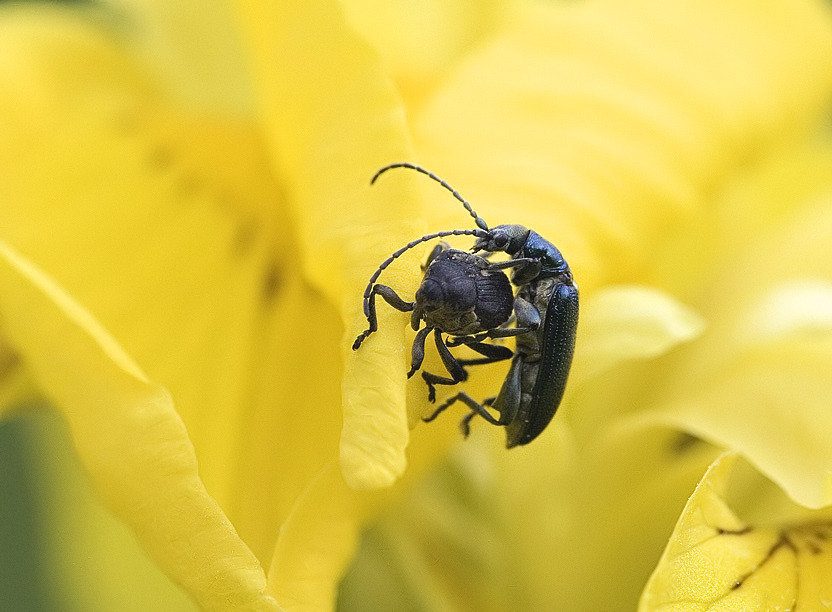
x: 271, y: 282
x: 244, y: 236
x: 743, y: 531
x: 9, y: 361
x: 683, y: 442
x: 187, y: 186
x: 814, y: 548
x: 160, y: 157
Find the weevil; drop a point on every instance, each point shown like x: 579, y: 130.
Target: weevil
x: 546, y: 312
x: 461, y: 295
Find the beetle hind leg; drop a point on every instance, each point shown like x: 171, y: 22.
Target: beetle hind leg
x: 474, y: 405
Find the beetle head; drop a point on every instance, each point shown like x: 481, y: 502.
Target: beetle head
x: 505, y: 238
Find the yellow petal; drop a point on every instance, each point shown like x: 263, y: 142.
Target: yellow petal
x: 772, y: 405
x: 607, y: 124
x: 90, y: 557
x: 172, y: 247
x: 333, y: 119
x: 758, y: 382
x: 620, y: 323
x: 421, y: 42
x: 717, y: 562
x: 192, y: 47
x: 479, y: 533
x: 316, y: 542
x: 130, y: 438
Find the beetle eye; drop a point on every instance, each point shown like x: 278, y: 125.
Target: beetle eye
x: 500, y: 240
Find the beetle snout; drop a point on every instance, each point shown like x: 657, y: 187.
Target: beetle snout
x: 430, y: 293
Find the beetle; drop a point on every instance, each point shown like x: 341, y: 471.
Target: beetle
x: 461, y: 295
x: 546, y: 311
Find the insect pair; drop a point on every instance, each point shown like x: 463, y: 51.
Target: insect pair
x: 469, y: 300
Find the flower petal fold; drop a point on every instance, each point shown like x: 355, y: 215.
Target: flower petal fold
x: 644, y: 107
x: 717, y: 562
x: 758, y: 381
x: 316, y: 543
x: 625, y: 322
x: 333, y: 119
x: 130, y: 438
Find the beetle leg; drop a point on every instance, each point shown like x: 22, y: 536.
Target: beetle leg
x: 527, y: 315
x: 520, y: 262
x: 474, y: 405
x: 442, y: 246
x: 392, y: 298
x: 465, y: 340
x: 500, y: 332
x: 507, y: 403
x: 455, y: 369
x: 508, y: 332
x: 418, y: 350
x: 492, y: 352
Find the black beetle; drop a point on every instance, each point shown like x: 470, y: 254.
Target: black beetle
x: 461, y: 295
x: 546, y: 310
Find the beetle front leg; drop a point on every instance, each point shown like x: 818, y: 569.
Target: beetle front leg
x: 455, y: 369
x: 442, y: 246
x: 392, y: 298
x: 519, y: 263
x: 418, y: 350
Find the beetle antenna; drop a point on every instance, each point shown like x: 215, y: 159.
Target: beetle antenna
x: 479, y: 220
x: 467, y: 232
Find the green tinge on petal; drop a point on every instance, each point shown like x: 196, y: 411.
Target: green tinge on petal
x: 191, y: 48
x: 333, y: 119
x: 130, y: 438
x: 621, y: 322
x: 714, y: 561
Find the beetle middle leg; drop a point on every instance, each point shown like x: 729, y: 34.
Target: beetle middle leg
x: 454, y: 367
x: 418, y: 350
x: 492, y: 353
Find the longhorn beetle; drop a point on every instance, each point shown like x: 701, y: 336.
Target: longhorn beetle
x: 546, y: 310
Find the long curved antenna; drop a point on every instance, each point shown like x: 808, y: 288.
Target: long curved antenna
x: 479, y: 220
x: 468, y: 232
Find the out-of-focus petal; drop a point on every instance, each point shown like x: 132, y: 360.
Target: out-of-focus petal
x: 550, y: 525
x: 758, y: 381
x: 333, y: 119
x: 190, y: 46
x: 130, y: 438
x: 608, y: 124
x: 169, y: 245
x: 624, y: 322
x: 421, y: 42
x: 321, y: 530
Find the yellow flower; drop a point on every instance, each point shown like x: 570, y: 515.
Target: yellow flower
x: 186, y: 234
x: 677, y: 154
x: 186, y: 225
